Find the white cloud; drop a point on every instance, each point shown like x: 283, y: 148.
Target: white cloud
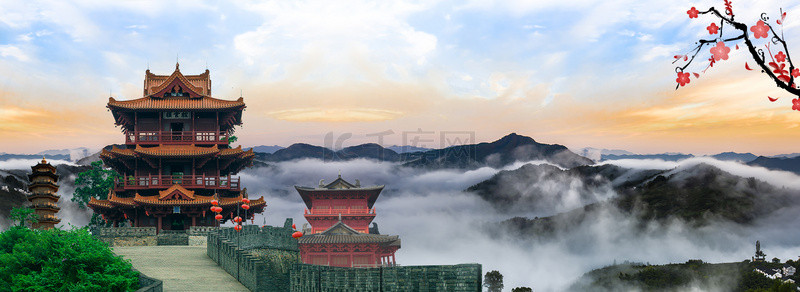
x: 338, y: 35
x: 13, y: 51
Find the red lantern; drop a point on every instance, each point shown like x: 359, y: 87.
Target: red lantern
x: 237, y: 219
x: 214, y: 202
x: 218, y: 217
x: 294, y: 227
x: 245, y: 206
x: 297, y: 234
x: 125, y: 215
x: 246, y: 200
x: 213, y: 209
x: 147, y: 213
x: 237, y: 227
x: 217, y: 209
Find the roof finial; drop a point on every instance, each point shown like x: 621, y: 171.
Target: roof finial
x: 340, y: 173
x: 340, y: 217
x: 44, y: 160
x: 177, y: 62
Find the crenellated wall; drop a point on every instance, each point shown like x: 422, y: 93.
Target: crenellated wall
x: 264, y: 264
x: 267, y: 259
x: 145, y: 236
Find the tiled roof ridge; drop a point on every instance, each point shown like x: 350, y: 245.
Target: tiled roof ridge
x: 176, y: 75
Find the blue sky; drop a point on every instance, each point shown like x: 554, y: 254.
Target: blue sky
x: 580, y: 73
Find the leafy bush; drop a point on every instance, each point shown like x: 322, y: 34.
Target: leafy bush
x: 59, y: 260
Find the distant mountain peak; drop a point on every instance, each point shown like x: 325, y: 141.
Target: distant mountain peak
x: 515, y: 138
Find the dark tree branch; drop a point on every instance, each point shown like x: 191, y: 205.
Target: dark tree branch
x: 754, y: 52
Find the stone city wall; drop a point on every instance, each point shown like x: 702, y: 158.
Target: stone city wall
x: 266, y: 262
x: 314, y: 278
x: 144, y: 236
x: 268, y: 259
x: 125, y: 236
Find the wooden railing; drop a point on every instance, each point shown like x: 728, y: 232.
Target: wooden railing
x: 175, y: 137
x: 348, y: 211
x: 187, y: 181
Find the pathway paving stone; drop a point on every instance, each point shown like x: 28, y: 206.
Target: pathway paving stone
x: 181, y: 268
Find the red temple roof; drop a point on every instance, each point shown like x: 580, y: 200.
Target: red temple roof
x: 176, y: 191
x: 341, y: 233
x: 178, y: 103
x: 198, y: 84
x: 114, y: 201
x: 175, y: 151
x: 337, y: 186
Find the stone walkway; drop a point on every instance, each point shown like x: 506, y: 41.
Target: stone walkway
x: 181, y: 268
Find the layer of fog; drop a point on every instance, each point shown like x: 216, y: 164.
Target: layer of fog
x: 25, y: 164
x: 776, y: 178
x: 440, y: 224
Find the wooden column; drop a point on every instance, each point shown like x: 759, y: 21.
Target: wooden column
x: 394, y: 261
x: 116, y: 223
x: 158, y: 227
x: 194, y: 221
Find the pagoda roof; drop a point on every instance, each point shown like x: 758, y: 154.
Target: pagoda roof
x: 114, y: 201
x: 95, y: 203
x: 177, y: 151
x: 176, y: 191
x: 235, y: 151
x: 340, y: 185
x: 176, y: 103
x: 198, y: 84
x: 44, y: 164
x: 341, y: 233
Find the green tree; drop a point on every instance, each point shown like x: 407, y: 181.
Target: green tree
x: 94, y: 183
x: 522, y: 289
x: 23, y: 214
x: 493, y: 281
x: 61, y: 260
x: 232, y: 139
x: 776, y: 260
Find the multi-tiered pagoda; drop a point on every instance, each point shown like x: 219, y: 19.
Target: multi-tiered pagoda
x: 339, y: 214
x: 177, y: 156
x: 44, y: 200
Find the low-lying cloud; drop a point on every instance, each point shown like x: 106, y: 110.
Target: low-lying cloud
x: 440, y: 224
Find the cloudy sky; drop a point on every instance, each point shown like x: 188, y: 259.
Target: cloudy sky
x: 578, y: 72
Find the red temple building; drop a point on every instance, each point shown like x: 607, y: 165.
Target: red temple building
x: 339, y: 214
x: 44, y: 200
x: 177, y: 156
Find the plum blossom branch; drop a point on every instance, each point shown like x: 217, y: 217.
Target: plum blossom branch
x: 784, y: 79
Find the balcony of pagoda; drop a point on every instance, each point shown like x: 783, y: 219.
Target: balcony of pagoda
x: 186, y: 181
x: 176, y: 137
x: 347, y: 211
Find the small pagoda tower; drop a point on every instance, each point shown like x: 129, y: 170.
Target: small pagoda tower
x: 340, y: 213
x: 43, y: 188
